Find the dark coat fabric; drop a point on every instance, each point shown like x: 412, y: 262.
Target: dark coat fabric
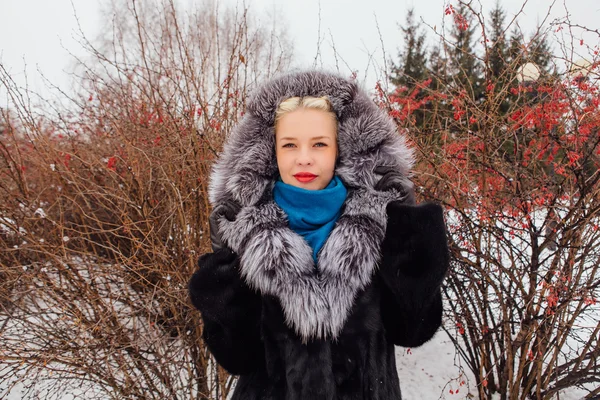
x: 293, y: 329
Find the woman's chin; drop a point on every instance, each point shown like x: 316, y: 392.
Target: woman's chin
x: 312, y: 185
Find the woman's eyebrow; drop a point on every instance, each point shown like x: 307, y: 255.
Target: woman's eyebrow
x: 312, y: 138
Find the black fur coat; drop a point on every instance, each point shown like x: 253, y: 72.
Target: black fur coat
x: 295, y: 330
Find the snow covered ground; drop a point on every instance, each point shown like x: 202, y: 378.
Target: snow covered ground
x: 435, y: 371
x: 428, y: 372
x: 432, y: 371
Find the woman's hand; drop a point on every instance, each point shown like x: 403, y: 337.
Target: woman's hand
x: 215, y: 278
x: 414, y: 261
x: 229, y: 210
x: 392, y: 179
x: 230, y: 312
x: 416, y: 239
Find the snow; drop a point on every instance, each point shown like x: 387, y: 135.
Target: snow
x: 6, y: 225
x: 433, y: 370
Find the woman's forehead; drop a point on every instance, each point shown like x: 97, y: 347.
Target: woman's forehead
x: 305, y: 122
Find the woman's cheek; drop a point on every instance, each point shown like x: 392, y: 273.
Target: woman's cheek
x: 331, y: 159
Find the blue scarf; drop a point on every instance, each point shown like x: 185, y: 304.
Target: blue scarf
x: 311, y: 213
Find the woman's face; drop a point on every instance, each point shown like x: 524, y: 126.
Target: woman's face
x: 306, y: 148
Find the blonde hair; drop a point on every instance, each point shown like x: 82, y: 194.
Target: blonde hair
x: 308, y: 102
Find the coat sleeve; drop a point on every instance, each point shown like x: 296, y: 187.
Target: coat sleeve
x: 414, y: 261
x: 230, y: 312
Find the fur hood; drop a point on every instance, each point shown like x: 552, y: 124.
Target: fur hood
x: 276, y: 261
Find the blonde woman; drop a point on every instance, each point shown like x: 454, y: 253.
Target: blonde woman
x: 322, y: 262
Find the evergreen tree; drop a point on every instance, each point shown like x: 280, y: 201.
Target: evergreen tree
x: 497, y: 61
x: 498, y: 69
x: 517, y: 57
x: 539, y: 51
x: 438, y: 67
x: 412, y: 68
x: 465, y: 69
x: 516, y: 54
x: 438, y: 72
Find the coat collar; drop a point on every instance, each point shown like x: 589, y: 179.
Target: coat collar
x: 316, y: 300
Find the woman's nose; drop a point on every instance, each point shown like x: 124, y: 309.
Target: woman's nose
x: 304, y: 158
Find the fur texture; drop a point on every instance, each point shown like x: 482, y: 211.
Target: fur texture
x: 246, y: 330
x: 316, y: 300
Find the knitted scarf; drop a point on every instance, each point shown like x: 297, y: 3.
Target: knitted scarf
x: 311, y: 213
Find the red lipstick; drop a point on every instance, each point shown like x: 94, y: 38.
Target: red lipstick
x: 305, y: 177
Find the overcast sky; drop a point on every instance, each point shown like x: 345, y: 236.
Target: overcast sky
x: 41, y: 33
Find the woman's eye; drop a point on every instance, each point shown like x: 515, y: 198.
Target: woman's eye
x: 320, y: 144
x: 288, y: 145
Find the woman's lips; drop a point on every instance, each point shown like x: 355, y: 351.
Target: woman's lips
x: 305, y: 177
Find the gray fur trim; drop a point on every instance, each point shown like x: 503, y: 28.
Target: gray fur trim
x: 274, y: 259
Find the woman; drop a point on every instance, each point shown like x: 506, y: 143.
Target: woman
x: 322, y: 262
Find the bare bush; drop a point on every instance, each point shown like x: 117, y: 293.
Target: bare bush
x: 104, y: 205
x: 516, y: 163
